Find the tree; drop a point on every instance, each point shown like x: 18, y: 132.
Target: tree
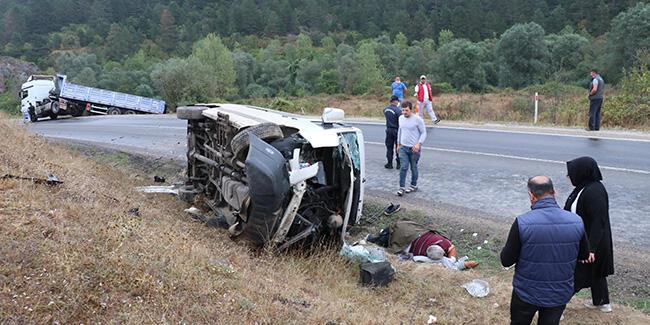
x: 522, y: 54
x: 121, y: 42
x: 630, y: 33
x: 445, y: 36
x: 566, y: 51
x: 371, y: 80
x: 460, y: 63
x: 183, y: 81
x: 168, y: 36
x: 211, y: 52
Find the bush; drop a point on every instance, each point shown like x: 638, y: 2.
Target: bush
x: 631, y: 106
x: 9, y: 103
x: 442, y: 88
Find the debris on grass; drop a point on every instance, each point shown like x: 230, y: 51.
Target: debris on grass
x: 477, y: 288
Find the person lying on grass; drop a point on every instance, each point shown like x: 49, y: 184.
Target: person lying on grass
x: 421, y: 244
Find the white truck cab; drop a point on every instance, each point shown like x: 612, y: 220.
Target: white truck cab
x: 34, y: 93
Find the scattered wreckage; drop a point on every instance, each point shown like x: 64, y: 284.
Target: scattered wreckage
x: 278, y: 178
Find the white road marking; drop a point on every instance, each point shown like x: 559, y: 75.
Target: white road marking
x: 517, y: 132
x: 619, y: 169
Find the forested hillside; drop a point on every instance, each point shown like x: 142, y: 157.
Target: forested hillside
x: 199, y: 50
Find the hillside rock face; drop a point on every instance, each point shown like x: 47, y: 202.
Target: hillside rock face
x: 15, y: 71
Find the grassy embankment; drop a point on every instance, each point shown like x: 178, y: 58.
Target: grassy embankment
x: 72, y: 253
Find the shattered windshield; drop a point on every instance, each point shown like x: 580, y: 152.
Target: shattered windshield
x: 350, y: 140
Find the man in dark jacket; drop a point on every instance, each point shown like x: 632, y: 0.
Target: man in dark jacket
x: 392, y: 113
x: 545, y: 243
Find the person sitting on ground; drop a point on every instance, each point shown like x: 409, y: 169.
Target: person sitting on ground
x: 417, y: 240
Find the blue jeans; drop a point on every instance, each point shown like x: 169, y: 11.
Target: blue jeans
x: 408, y: 159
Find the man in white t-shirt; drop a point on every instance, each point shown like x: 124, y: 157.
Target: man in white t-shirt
x: 425, y: 99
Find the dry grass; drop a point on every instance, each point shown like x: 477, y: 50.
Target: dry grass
x: 72, y: 254
x: 566, y: 109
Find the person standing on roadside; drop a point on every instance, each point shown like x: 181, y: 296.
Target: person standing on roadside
x: 425, y: 99
x: 410, y: 136
x: 545, y: 244
x: 590, y: 201
x: 399, y: 88
x: 596, y: 96
x: 392, y: 113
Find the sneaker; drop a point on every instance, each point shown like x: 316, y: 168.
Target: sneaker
x: 400, y: 192
x: 436, y: 121
x: 388, y: 166
x: 411, y: 189
x: 606, y: 308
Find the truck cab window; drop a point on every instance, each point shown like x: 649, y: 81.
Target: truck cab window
x: 23, y: 94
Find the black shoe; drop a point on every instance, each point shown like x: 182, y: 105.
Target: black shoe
x: 437, y: 121
x: 388, y: 166
x: 392, y: 208
x: 398, y: 165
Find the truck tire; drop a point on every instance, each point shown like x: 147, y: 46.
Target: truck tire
x: 113, y: 111
x: 190, y: 112
x: 265, y: 131
x: 130, y: 112
x: 75, y: 110
x: 54, y: 110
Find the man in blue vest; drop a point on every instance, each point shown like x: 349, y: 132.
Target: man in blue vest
x: 545, y: 243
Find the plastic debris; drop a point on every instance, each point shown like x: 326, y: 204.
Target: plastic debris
x: 362, y: 254
x: 477, y: 288
x: 479, y: 248
x: 158, y: 189
x: 134, y: 212
x: 485, y: 241
x: 432, y: 319
x: 158, y: 179
x: 474, y: 234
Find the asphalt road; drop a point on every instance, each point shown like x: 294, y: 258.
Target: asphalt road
x: 478, y: 169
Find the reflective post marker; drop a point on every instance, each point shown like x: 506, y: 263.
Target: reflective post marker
x: 536, y: 106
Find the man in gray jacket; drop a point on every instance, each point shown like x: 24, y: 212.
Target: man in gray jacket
x: 596, y: 95
x: 410, y: 136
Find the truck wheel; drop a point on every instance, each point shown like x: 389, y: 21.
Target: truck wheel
x: 75, y: 110
x: 190, y: 112
x: 54, y: 110
x: 113, y: 111
x: 129, y: 112
x: 265, y: 131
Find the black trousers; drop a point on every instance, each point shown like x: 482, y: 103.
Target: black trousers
x: 522, y: 313
x: 391, y: 141
x: 594, y: 113
x: 599, y: 291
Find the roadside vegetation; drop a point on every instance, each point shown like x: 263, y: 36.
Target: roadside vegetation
x: 73, y: 253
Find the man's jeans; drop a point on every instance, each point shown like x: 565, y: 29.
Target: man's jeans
x: 594, y: 113
x: 408, y: 159
x: 426, y: 106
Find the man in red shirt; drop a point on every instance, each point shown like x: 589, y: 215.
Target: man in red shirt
x: 425, y: 99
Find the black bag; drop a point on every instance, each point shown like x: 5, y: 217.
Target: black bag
x: 377, y: 274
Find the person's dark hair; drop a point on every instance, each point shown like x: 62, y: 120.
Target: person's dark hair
x: 594, y: 70
x: 540, y: 186
x: 407, y: 104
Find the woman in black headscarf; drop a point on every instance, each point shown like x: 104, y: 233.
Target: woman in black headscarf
x: 590, y: 201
